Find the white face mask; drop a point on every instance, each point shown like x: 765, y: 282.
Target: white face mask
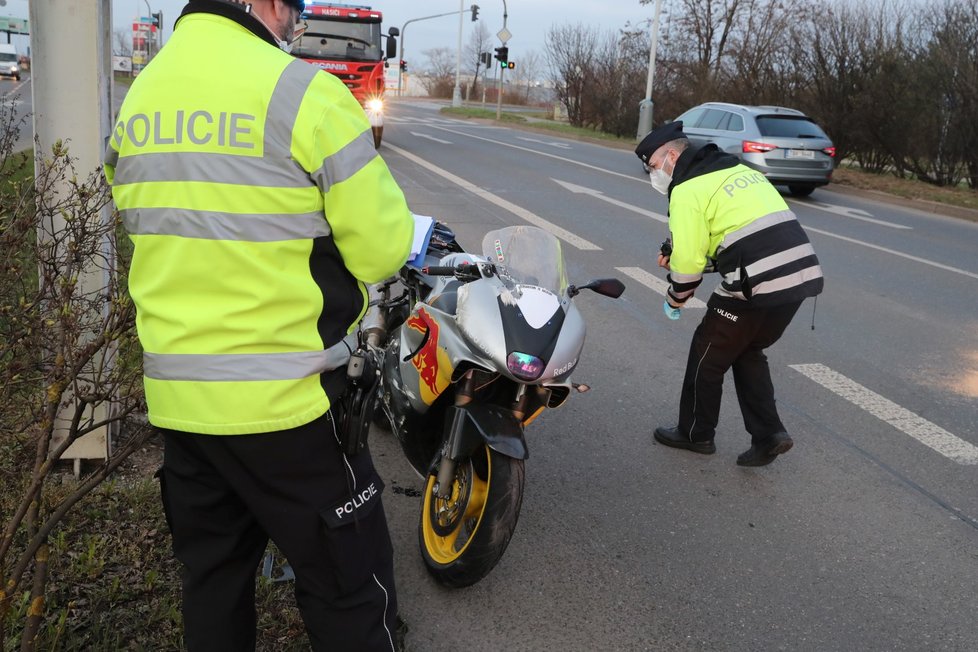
x: 286, y: 46
x: 659, y: 179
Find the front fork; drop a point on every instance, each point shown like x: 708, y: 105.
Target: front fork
x: 450, y: 452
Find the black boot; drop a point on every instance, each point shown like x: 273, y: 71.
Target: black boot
x: 763, y: 454
x: 673, y: 438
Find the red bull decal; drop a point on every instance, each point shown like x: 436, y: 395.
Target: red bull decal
x: 432, y: 363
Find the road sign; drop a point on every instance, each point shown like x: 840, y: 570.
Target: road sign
x: 504, y: 35
x: 14, y: 25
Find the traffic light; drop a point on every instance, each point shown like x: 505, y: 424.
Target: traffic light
x: 511, y: 65
x: 403, y: 65
x: 502, y: 56
x: 157, y: 20
x: 485, y: 58
x: 475, y: 13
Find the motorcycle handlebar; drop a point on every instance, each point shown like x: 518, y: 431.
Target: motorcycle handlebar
x: 435, y: 270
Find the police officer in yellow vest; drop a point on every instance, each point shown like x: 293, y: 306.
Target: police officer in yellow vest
x: 258, y: 207
x: 727, y: 217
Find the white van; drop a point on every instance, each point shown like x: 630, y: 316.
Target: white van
x: 8, y: 61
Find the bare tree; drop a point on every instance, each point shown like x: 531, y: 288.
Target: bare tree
x: 438, y: 77
x: 571, y: 52
x: 479, y: 42
x: 66, y: 350
x: 528, y: 72
x: 122, y: 42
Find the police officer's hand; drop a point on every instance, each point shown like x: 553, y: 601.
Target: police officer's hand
x: 672, y: 312
x: 663, y: 261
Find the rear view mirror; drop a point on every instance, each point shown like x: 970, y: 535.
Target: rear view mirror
x: 609, y: 287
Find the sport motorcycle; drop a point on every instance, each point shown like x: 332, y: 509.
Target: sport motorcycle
x: 467, y: 350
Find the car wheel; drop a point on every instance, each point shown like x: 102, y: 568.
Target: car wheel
x: 801, y: 191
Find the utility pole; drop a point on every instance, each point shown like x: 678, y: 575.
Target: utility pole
x: 645, y: 106
x: 504, y: 36
x: 79, y: 67
x: 457, y: 92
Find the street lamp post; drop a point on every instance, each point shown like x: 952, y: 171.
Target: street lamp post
x: 499, y: 89
x: 404, y: 27
x: 457, y: 92
x: 645, y: 106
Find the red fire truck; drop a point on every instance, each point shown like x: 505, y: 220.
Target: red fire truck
x: 346, y: 41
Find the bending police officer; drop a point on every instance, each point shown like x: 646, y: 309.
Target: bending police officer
x: 727, y: 216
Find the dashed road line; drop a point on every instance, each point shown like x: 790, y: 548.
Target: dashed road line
x: 655, y: 284
x: 927, y: 433
x: 518, y: 211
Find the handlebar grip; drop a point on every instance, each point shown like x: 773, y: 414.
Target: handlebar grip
x: 436, y: 270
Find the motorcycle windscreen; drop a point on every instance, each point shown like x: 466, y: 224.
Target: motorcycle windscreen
x: 527, y: 255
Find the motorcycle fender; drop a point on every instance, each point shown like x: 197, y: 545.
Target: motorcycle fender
x: 477, y: 423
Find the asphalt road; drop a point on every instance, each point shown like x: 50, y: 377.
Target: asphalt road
x: 863, y: 537
x: 16, y: 99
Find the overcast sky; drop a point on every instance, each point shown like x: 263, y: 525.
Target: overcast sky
x: 528, y: 20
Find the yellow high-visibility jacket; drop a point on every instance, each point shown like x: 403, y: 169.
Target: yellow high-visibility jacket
x: 726, y: 215
x: 258, y: 208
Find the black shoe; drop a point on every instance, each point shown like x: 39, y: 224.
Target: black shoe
x: 673, y: 438
x: 763, y: 454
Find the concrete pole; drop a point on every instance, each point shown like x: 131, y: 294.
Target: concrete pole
x: 79, y: 68
x: 457, y: 92
x: 645, y: 106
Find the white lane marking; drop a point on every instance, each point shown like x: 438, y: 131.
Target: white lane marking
x: 655, y: 284
x: 597, y: 194
x: 644, y: 180
x: 844, y: 211
x: 904, y: 420
x: 437, y: 140
x: 545, y: 142
x: 633, y: 177
x: 890, y: 251
x: 518, y: 211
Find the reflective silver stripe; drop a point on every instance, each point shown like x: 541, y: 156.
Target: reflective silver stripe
x: 111, y: 157
x: 246, y: 366
x: 724, y: 292
x: 790, y: 281
x: 778, y: 259
x: 757, y: 225
x: 212, y: 167
x: 345, y: 163
x: 685, y: 278
x: 209, y: 225
x: 283, y: 107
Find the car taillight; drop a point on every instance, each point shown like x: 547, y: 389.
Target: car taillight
x: 829, y: 150
x: 759, y: 148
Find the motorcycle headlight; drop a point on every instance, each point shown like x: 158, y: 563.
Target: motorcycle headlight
x: 375, y: 105
x: 525, y: 366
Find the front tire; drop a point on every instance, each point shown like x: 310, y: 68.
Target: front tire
x: 463, y: 538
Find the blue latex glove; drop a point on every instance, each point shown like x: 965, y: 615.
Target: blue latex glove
x: 671, y: 313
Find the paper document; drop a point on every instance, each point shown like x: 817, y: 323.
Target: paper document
x: 423, y: 225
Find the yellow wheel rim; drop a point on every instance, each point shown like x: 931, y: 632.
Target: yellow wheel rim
x: 448, y: 526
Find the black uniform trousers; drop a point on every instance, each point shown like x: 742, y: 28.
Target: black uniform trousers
x: 733, y: 337
x: 226, y: 495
